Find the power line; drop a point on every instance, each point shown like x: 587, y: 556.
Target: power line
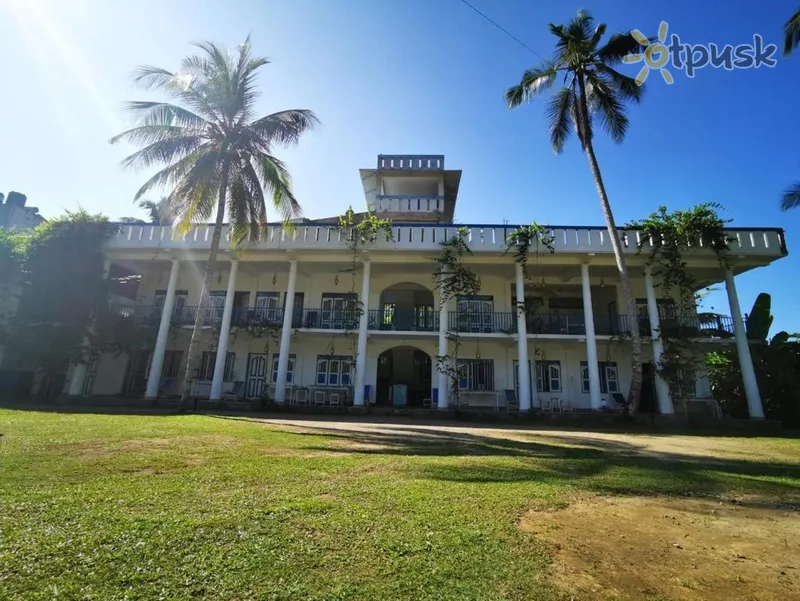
x: 504, y: 30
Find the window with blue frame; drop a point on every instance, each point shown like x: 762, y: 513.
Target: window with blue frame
x: 289, y: 369
x: 334, y: 370
x: 476, y: 374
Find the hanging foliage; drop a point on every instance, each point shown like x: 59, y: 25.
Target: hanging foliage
x: 357, y: 231
x: 454, y: 279
x: 672, y: 235
x: 522, y: 239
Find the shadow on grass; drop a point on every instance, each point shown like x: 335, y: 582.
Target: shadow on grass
x: 605, y: 466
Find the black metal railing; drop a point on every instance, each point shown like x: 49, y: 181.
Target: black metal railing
x: 482, y: 322
x: 424, y: 319
x: 330, y: 319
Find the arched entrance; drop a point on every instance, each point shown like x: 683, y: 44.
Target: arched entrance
x: 404, y: 377
x: 407, y: 307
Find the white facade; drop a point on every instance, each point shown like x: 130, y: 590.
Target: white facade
x: 575, y: 290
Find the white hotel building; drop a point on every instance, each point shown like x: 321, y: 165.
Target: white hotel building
x: 572, y: 344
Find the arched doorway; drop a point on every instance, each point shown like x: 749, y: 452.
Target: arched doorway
x: 407, y: 307
x: 404, y: 377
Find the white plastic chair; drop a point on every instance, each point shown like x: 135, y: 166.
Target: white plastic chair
x: 301, y: 398
x: 319, y: 397
x: 333, y: 399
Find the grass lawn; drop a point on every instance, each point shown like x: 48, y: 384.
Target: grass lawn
x: 177, y: 507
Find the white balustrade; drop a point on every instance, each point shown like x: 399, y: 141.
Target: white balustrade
x: 480, y: 238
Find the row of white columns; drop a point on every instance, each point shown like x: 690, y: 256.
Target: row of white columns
x: 662, y: 389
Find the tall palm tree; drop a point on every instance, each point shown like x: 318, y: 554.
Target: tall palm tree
x: 593, y: 91
x: 791, y: 33
x: 215, y: 156
x: 158, y: 210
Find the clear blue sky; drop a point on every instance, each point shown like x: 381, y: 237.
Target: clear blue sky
x: 415, y: 76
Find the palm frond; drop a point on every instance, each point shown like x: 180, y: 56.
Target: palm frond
x: 580, y: 28
x: 791, y: 32
x: 283, y: 127
x: 626, y: 87
x: 603, y: 102
x: 165, y: 113
x: 560, y: 117
x: 161, y: 151
x: 274, y: 177
x: 791, y: 197
x: 583, y: 123
x: 247, y: 211
x: 534, y: 81
x: 170, y: 175
x: 598, y: 34
x: 618, y: 47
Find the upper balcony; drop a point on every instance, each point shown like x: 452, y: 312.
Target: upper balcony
x: 760, y: 243
x: 408, y: 203
x: 411, y: 162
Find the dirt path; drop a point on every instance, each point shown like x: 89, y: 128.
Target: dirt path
x: 667, y: 446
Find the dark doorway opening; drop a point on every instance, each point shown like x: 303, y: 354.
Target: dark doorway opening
x: 648, y: 402
x: 404, y: 377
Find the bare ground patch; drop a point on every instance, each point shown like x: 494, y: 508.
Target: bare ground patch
x: 683, y: 549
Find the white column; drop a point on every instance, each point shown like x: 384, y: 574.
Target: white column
x: 662, y: 388
x: 157, y: 363
x: 591, y: 340
x: 224, y: 334
x: 745, y: 361
x: 524, y: 375
x: 361, y: 358
x: 286, y: 334
x: 443, y: 380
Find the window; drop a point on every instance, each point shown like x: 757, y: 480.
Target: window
x: 609, y: 377
x: 207, y: 362
x: 548, y: 376
x: 333, y: 370
x: 339, y: 311
x: 267, y: 306
x: 476, y: 374
x: 289, y: 369
x: 172, y: 364
x: 178, y: 303
x: 475, y: 314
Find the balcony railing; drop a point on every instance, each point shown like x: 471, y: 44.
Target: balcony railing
x: 330, y: 319
x: 417, y: 237
x: 404, y: 203
x: 411, y: 162
x: 703, y: 325
x: 404, y: 320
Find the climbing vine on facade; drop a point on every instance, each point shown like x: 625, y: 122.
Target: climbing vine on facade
x: 670, y: 235
x: 358, y: 231
x: 454, y: 279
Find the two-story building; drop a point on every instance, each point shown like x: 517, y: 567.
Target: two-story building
x: 301, y: 318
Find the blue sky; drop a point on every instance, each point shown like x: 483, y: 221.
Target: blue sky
x: 415, y: 76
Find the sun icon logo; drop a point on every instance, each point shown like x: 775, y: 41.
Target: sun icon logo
x: 655, y: 56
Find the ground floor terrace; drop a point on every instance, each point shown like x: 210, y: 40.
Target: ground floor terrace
x: 400, y: 371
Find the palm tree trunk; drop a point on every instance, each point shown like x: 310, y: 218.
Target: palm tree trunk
x: 635, y: 390
x: 203, y: 303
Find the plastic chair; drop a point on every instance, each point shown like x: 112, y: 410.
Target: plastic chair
x: 555, y: 403
x: 547, y: 406
x: 319, y: 397
x: 333, y: 399
x: 301, y: 398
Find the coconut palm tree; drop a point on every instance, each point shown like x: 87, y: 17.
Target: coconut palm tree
x: 593, y: 92
x: 791, y: 33
x: 215, y: 156
x: 158, y: 211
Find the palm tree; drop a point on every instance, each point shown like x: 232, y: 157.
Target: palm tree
x: 215, y: 156
x: 791, y: 33
x: 791, y: 197
x: 158, y: 211
x: 593, y: 92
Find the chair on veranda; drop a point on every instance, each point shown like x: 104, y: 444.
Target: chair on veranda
x: 512, y: 402
x: 236, y: 393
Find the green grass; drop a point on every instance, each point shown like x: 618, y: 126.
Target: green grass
x: 178, y: 507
